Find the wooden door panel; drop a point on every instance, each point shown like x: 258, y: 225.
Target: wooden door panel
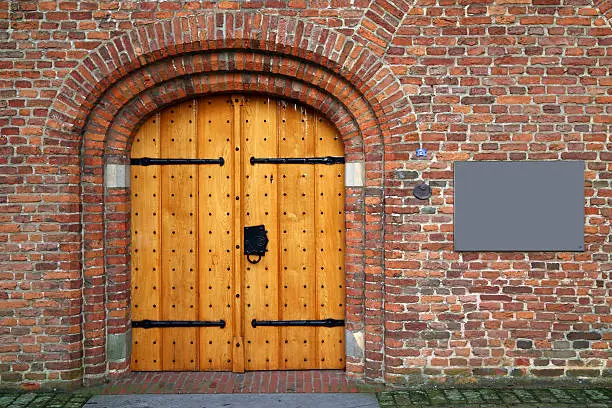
x: 296, y: 223
x: 330, y: 241
x: 187, y: 222
x: 179, y: 186
x: 146, y: 249
x: 215, y: 214
x: 259, y: 131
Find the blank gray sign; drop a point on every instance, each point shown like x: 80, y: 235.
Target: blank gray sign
x: 519, y: 206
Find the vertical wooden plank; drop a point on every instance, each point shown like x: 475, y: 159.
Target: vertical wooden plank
x: 146, y: 289
x: 238, y: 349
x: 179, y: 236
x: 216, y: 230
x: 329, y: 239
x: 259, y: 138
x: 296, y: 208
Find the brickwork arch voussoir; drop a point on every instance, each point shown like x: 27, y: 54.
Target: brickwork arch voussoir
x: 145, y: 45
x: 341, y: 94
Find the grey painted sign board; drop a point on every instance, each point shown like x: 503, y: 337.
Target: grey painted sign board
x: 519, y: 206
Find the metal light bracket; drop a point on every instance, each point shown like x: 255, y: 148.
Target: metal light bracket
x: 422, y: 191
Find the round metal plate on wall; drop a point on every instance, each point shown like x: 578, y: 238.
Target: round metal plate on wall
x: 422, y: 191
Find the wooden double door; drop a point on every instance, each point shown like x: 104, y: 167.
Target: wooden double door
x: 198, y: 301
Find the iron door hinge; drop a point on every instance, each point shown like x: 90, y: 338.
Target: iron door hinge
x: 151, y: 161
x: 297, y: 160
x: 316, y: 323
x: 149, y: 324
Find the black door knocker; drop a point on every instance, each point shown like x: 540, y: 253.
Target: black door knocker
x: 255, y: 242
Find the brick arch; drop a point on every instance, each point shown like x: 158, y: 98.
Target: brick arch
x: 104, y: 99
x: 121, y: 130
x: 605, y: 8
x: 336, y: 98
x: 246, y: 30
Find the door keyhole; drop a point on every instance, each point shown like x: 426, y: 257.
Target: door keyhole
x: 271, y: 178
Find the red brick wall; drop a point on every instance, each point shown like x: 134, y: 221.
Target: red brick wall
x: 502, y: 80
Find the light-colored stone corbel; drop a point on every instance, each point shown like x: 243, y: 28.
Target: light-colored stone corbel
x: 117, y: 175
x: 354, y: 174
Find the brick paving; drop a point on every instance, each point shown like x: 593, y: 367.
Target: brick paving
x: 224, y: 382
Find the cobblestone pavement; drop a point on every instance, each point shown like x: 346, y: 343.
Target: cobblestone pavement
x: 42, y: 399
x: 432, y: 398
x: 498, y: 398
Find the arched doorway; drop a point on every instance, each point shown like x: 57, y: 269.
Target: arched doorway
x: 198, y: 301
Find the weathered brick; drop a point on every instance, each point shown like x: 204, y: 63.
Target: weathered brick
x: 584, y: 336
x: 581, y: 344
x: 548, y: 372
x: 477, y: 100
x: 524, y: 344
x: 583, y: 372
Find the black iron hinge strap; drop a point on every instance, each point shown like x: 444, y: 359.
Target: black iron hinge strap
x: 149, y: 324
x: 320, y: 323
x: 298, y: 160
x: 151, y: 161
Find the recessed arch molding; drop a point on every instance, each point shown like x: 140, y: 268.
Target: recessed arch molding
x: 103, y: 101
